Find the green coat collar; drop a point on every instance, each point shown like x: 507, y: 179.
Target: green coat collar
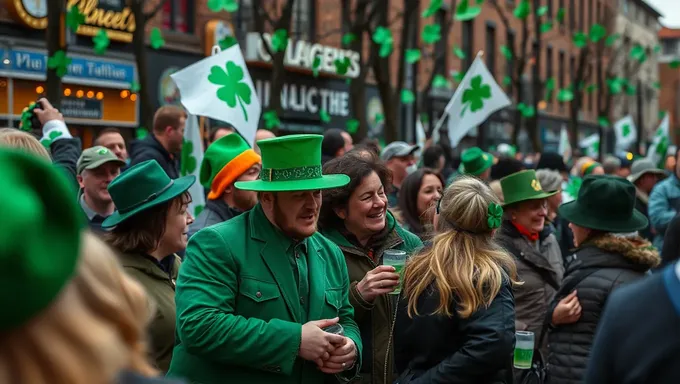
x: 393, y: 239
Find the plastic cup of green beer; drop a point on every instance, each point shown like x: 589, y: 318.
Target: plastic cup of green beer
x: 396, y: 259
x: 524, y: 349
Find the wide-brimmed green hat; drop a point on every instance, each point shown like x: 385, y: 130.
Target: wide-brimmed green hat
x: 605, y: 203
x: 292, y: 163
x: 522, y: 186
x: 40, y: 237
x: 474, y: 161
x: 141, y: 187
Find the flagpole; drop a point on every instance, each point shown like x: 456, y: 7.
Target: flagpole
x: 441, y: 119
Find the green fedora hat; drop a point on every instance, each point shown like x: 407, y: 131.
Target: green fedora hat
x: 474, y: 161
x: 40, y: 237
x: 605, y: 203
x: 292, y: 163
x: 141, y: 187
x: 522, y: 186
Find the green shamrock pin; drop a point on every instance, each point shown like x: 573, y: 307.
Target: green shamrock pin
x: 459, y: 52
x: 156, y: 39
x: 341, y: 65
x: 432, y: 33
x: 412, y: 55
x: 432, y: 8
x: 101, y: 42
x: 383, y: 37
x: 625, y: 130
x: 580, y: 39
x: 325, y: 117
x: 59, y: 62
x: 465, y: 12
x: 611, y: 39
x: 232, y: 89
x: 522, y: 10
x: 474, y: 96
x: 595, y: 147
x: 505, y: 51
x: 219, y: 5
x: 407, y: 96
x: 227, y: 42
x: 188, y: 162
x: 597, y: 33
x: 565, y: 95
x: 348, y: 38
x: 141, y: 133
x: 494, y: 216
x: 271, y: 119
x: 280, y: 40
x: 74, y: 19
x: 440, y: 81
x: 315, y: 65
x: 47, y: 141
x: 103, y: 151
x: 352, y: 126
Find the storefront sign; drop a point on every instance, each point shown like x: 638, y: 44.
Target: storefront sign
x: 81, y: 108
x: 301, y: 54
x: 24, y: 61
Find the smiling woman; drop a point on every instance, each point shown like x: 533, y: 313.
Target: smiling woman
x: 355, y: 218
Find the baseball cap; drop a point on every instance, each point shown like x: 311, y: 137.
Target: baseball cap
x: 94, y: 157
x: 397, y: 149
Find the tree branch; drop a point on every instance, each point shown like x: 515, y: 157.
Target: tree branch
x: 154, y: 11
x: 259, y: 26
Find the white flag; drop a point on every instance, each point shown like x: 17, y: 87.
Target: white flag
x: 659, y: 148
x: 476, y: 97
x: 421, y: 137
x: 626, y: 133
x: 220, y: 87
x: 591, y: 146
x: 564, y: 147
x: 192, y: 157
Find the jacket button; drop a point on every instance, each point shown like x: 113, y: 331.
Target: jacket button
x: 302, y: 300
x: 258, y: 294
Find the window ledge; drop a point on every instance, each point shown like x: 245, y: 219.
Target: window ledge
x: 184, y: 42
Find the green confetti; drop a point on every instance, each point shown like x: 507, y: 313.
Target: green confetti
x: 74, y: 19
x: 465, y: 12
x: 550, y: 84
x: 141, y: 133
x: 432, y: 33
x: 580, y: 39
x: 407, y: 96
x: 611, y: 39
x: 657, y: 85
x: 615, y: 85
x: 506, y: 52
x: 657, y: 48
x: 541, y: 11
x: 352, y: 126
x: 458, y: 76
x: 325, y: 117
x: 379, y: 118
x: 638, y: 53
x: 560, y: 15
x: 565, y: 95
x: 662, y: 114
x: 156, y: 39
x: 271, y: 119
x: 597, y: 33
x: 280, y: 40
x: 431, y: 10
x: 459, y: 52
x: 603, y: 121
x: 219, y: 5
x: 522, y: 10
x: 101, y: 42
x: 631, y: 90
x: 59, y: 62
x: 440, y: 81
x: 591, y: 88
x: 383, y: 37
x: 507, y: 80
x: 135, y: 87
x: 412, y: 55
x: 546, y: 26
x: 348, y: 38
x: 674, y: 64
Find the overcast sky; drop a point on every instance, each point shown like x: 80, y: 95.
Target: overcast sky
x: 670, y: 9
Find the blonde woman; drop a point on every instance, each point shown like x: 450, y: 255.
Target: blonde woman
x: 456, y: 320
x: 14, y: 138
x: 71, y: 316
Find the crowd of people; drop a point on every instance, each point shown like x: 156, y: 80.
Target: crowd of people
x: 294, y: 272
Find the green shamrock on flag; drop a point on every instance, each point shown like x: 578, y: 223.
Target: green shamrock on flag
x: 474, y: 96
x: 625, y: 130
x: 227, y: 5
x: 101, y: 42
x: 232, y: 90
x: 596, y: 147
x: 156, y: 39
x: 383, y: 37
x: 59, y: 62
x: 662, y: 147
x: 271, y: 119
x: 432, y: 33
x: 227, y: 42
x: 352, y: 126
x: 188, y: 162
x: 47, y: 141
x: 74, y: 19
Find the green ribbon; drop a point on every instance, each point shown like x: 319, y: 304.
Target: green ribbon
x: 290, y: 174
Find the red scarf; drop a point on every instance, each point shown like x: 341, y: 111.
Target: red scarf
x: 531, y: 236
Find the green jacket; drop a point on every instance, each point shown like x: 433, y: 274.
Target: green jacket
x: 238, y: 309
x: 160, y: 286
x: 374, y: 319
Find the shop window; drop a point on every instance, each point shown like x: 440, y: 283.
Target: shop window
x: 551, y: 11
x: 302, y: 26
x: 243, y: 18
x: 491, y: 48
x: 468, y: 45
x: 561, y: 6
x: 582, y: 14
x: 178, y: 16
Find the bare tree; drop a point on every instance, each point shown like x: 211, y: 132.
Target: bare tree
x: 54, y: 35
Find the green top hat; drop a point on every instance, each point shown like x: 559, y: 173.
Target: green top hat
x: 474, y: 161
x: 605, y: 203
x: 40, y: 237
x: 522, y: 186
x: 96, y: 156
x: 141, y: 187
x: 292, y: 163
x: 224, y: 161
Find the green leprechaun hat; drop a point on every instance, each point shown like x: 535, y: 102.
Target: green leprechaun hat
x: 40, y: 237
x: 292, y: 163
x: 474, y: 161
x: 522, y: 186
x: 224, y: 161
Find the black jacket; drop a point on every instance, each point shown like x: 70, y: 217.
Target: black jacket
x: 616, y: 261
x: 438, y: 349
x: 150, y: 148
x: 641, y: 202
x: 65, y: 154
x: 638, y: 340
x: 671, y: 243
x: 215, y: 212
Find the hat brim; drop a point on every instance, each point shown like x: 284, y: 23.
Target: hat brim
x: 324, y: 182
x: 101, y: 162
x: 574, y: 213
x: 180, y: 186
x: 659, y: 172
x: 540, y: 196
x: 487, y: 164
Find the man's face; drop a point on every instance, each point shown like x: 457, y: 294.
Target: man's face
x: 349, y: 143
x: 398, y: 165
x: 246, y: 200
x: 176, y: 136
x: 221, y: 132
x: 115, y: 143
x: 95, y: 181
x: 295, y: 213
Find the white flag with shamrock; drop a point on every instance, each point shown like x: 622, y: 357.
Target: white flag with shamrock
x: 190, y: 163
x: 564, y: 147
x: 220, y: 87
x: 626, y: 133
x: 658, y: 149
x: 591, y: 146
x: 477, y: 96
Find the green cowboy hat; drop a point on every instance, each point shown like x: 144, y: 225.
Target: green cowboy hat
x: 474, y: 161
x: 292, y: 163
x: 522, y: 186
x: 605, y: 203
x: 40, y: 237
x: 141, y: 187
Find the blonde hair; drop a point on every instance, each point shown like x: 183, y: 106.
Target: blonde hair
x: 464, y: 263
x: 92, y: 331
x: 14, y: 138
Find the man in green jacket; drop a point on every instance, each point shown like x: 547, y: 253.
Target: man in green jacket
x: 255, y: 292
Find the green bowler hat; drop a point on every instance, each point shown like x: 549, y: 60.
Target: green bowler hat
x: 40, y: 237
x: 141, y: 187
x: 474, y: 161
x: 522, y: 186
x: 605, y: 203
x: 292, y: 163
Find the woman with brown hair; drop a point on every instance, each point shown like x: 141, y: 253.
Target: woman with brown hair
x: 418, y: 197
x: 455, y: 321
x: 149, y: 226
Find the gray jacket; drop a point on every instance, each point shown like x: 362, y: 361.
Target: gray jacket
x: 215, y: 212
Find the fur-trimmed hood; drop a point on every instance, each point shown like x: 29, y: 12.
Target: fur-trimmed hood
x: 632, y: 252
